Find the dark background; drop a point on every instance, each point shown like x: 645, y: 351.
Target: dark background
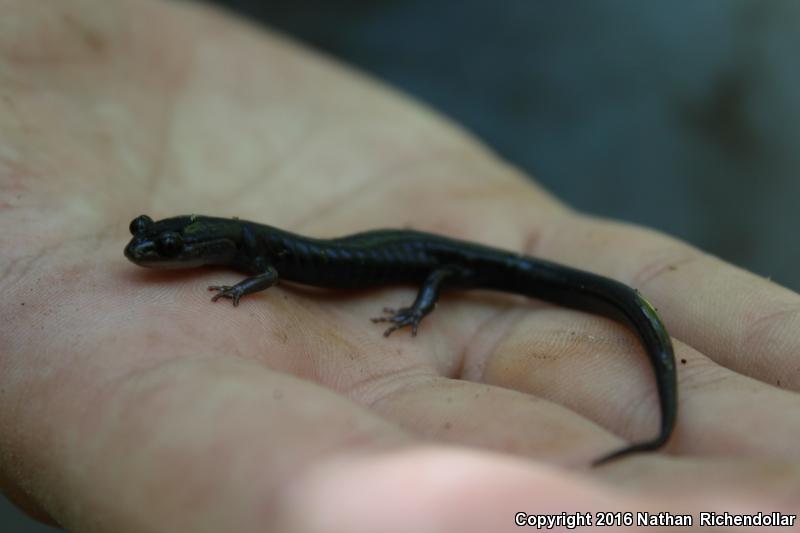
x: 680, y: 115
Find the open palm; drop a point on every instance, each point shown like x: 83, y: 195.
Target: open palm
x: 128, y: 401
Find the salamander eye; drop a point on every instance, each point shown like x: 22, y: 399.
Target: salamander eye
x: 140, y: 224
x: 169, y: 244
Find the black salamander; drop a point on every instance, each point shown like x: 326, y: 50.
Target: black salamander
x: 388, y: 257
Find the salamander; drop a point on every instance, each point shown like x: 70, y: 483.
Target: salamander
x: 392, y: 256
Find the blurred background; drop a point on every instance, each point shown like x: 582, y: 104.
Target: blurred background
x: 683, y: 115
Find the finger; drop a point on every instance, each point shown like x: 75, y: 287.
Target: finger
x: 402, y: 378
x: 738, y: 319
x: 216, y: 438
x: 25, y: 502
x: 598, y: 369
x: 688, y: 479
x: 485, y: 416
x: 442, y: 490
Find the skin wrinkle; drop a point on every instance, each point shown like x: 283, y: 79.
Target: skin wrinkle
x: 92, y: 61
x: 324, y: 341
x: 634, y: 413
x: 465, y: 348
x: 531, y: 243
x: 150, y: 189
x: 400, y: 167
x: 758, y: 345
x: 488, y: 337
x: 638, y: 413
x: 393, y: 385
x: 428, y: 120
x: 758, y: 332
x: 273, y: 166
x: 568, y: 436
x: 271, y: 181
x: 12, y: 175
x: 180, y: 69
x: 404, y: 363
x: 321, y: 210
x: 643, y: 412
x: 667, y: 260
x: 535, y: 242
x: 39, y: 53
x: 512, y: 322
x: 8, y: 276
x: 369, y: 390
x: 731, y: 351
x: 757, y: 341
x: 127, y: 391
x: 702, y: 374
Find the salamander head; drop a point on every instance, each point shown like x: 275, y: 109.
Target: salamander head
x: 180, y: 242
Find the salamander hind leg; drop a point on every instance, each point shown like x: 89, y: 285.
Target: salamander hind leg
x: 405, y: 316
x: 422, y: 306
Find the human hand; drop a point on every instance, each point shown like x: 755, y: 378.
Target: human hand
x: 129, y: 402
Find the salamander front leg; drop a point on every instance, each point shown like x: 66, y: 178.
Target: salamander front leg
x: 250, y: 285
x: 423, y: 304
